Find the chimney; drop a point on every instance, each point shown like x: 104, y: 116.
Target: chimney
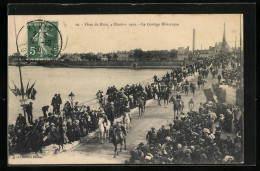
x: 193, y: 45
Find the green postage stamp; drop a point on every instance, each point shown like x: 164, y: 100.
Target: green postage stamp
x: 43, y: 40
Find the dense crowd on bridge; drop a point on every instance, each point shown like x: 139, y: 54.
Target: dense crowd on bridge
x: 198, y: 137
x: 195, y: 138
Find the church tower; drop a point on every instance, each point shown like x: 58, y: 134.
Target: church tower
x: 224, y: 46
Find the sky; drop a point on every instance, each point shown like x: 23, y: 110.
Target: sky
x: 79, y: 38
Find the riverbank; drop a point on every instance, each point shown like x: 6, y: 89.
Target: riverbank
x: 105, y: 64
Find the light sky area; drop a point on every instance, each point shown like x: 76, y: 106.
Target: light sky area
x: 85, y: 39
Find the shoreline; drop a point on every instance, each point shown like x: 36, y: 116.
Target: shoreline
x: 105, y: 64
x: 107, y: 67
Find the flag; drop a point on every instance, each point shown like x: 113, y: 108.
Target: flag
x: 31, y: 92
x: 16, y: 90
x: 27, y: 85
x: 28, y: 90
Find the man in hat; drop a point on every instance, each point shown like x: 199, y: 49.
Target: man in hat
x: 28, y: 110
x: 67, y: 109
x: 151, y: 136
x: 119, y: 129
x: 45, y: 110
x: 20, y: 121
x: 54, y: 104
x: 228, y: 120
x: 76, y: 107
x: 59, y: 102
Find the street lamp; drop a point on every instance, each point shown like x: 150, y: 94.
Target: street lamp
x: 71, y: 96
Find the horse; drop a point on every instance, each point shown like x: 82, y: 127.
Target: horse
x: 116, y: 139
x: 107, y: 128
x: 101, y: 130
x: 127, y: 121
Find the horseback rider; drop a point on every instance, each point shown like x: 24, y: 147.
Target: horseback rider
x: 178, y: 96
x: 104, y: 116
x: 119, y: 130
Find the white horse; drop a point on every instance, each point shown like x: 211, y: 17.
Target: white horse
x: 107, y: 128
x: 127, y: 121
x: 101, y: 130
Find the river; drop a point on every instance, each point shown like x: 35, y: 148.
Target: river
x: 83, y: 82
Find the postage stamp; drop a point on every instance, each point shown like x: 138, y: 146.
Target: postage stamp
x: 42, y: 39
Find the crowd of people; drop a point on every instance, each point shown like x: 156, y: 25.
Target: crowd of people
x: 74, y: 121
x: 52, y: 128
x: 211, y: 135
x: 195, y: 138
x: 231, y: 77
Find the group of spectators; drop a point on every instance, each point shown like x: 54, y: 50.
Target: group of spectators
x: 231, y: 76
x: 74, y: 121
x: 194, y: 138
x: 211, y: 135
x: 52, y: 129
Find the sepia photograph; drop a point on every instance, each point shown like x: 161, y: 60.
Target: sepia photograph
x: 126, y: 89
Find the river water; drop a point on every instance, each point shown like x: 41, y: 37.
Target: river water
x: 83, y: 82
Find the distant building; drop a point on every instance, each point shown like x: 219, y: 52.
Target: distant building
x: 99, y: 55
x: 124, y: 55
x: 212, y: 51
x: 104, y: 58
x: 183, y: 53
x: 75, y: 57
x: 200, y: 54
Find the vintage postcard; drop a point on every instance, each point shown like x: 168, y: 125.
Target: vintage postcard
x: 125, y: 89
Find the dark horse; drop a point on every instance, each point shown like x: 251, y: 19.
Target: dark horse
x: 117, y: 139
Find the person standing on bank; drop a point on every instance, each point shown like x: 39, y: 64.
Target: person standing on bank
x: 29, y: 112
x: 54, y: 104
x: 58, y: 103
x: 45, y: 109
